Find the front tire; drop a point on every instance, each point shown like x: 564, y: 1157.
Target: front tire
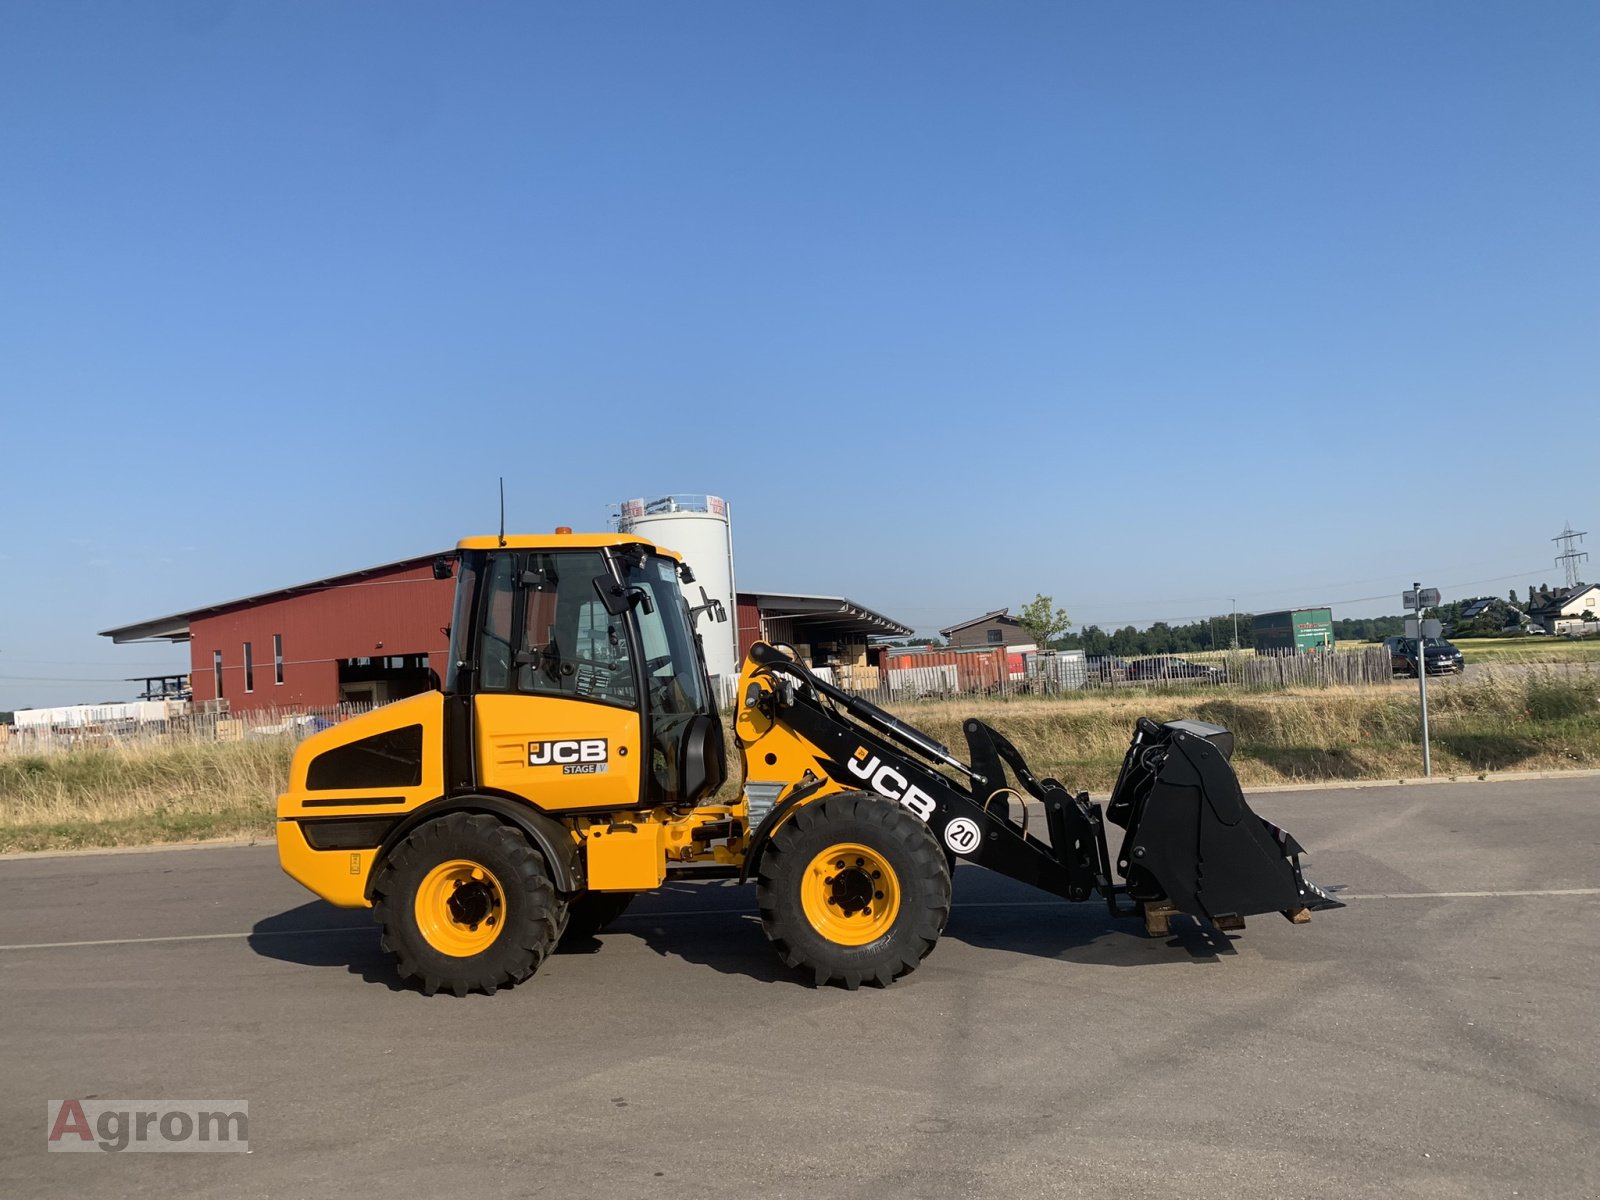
x: 467, y: 904
x: 854, y: 888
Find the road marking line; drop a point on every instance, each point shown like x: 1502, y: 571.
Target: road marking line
x: 188, y: 937
x: 1595, y: 891
x: 748, y: 912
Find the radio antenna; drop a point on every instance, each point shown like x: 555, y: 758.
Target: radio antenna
x: 502, y: 510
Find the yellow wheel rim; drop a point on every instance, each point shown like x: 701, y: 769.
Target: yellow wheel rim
x: 850, y: 894
x: 460, y: 908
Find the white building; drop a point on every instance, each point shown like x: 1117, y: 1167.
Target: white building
x: 1565, y: 610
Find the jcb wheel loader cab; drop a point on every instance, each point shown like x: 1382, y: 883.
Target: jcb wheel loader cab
x: 574, y: 673
x: 854, y: 888
x: 576, y: 726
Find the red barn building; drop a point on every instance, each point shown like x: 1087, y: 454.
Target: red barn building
x: 376, y: 635
x: 368, y: 636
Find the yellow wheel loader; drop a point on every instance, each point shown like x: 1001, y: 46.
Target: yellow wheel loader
x: 571, y: 756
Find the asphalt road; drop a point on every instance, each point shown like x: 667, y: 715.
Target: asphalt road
x: 1439, y: 1037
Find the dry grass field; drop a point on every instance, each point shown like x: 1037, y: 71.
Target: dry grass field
x: 141, y: 794
x: 1530, y: 650
x: 1522, y: 720
x: 1520, y: 650
x: 1532, y: 720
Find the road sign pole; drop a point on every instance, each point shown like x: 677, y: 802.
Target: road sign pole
x: 1422, y: 684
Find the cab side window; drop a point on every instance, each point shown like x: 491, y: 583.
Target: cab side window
x: 499, y: 602
x: 570, y: 645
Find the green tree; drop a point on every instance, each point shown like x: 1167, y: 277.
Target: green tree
x: 1044, y: 621
x: 1095, y: 640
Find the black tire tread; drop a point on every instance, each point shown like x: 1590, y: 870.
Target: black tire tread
x: 505, y: 963
x: 888, y: 827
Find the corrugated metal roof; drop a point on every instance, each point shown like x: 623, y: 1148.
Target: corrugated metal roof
x: 175, y: 628
x: 826, y: 610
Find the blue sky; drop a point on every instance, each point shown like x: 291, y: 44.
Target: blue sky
x: 1144, y: 306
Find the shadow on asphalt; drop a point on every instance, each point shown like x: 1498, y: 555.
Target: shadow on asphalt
x: 1086, y: 934
x: 709, y: 923
x: 319, y: 935
x: 713, y: 924
x: 996, y: 913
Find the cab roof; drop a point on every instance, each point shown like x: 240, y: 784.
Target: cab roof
x: 562, y: 541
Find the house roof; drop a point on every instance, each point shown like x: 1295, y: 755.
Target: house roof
x: 1559, y: 599
x: 836, y: 615
x: 999, y: 614
x: 1477, y: 608
x: 175, y: 628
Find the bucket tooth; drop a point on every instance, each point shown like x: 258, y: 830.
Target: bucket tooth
x: 1157, y: 918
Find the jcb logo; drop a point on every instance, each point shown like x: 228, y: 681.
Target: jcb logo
x: 886, y: 781
x: 566, y: 753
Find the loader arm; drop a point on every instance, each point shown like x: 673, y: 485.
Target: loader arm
x: 1193, y: 845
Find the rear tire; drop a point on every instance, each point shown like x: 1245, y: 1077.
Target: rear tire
x: 589, y: 913
x: 467, y: 904
x: 854, y: 888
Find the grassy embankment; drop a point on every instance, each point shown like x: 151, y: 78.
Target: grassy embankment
x: 137, y: 795
x: 1524, y: 720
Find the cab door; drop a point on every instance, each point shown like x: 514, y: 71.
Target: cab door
x: 556, y: 715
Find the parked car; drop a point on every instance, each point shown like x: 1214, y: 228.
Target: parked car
x: 1164, y: 668
x: 1442, y: 657
x: 1106, y: 668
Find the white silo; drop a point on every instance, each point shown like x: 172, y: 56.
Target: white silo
x: 698, y: 528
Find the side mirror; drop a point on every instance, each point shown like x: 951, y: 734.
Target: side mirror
x: 443, y: 567
x: 617, y: 599
x: 613, y: 596
x: 718, y: 611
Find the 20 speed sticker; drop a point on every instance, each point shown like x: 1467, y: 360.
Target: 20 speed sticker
x: 962, y: 835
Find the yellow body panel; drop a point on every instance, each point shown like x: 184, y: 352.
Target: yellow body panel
x: 774, y: 753
x: 513, y: 731
x: 626, y: 857
x: 338, y: 876
x: 426, y: 710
